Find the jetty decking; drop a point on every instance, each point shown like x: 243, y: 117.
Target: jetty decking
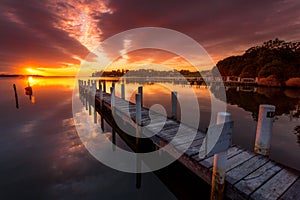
x: 248, y: 175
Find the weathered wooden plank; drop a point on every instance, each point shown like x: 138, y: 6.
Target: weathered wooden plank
x: 252, y: 181
x: 238, y: 159
x: 208, y: 162
x: 181, y: 135
x: 182, y: 140
x: 293, y: 193
x: 193, y: 150
x: 237, y: 173
x: 276, y: 186
x: 232, y: 151
x: 196, y: 142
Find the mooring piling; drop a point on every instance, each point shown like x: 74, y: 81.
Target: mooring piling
x: 264, y: 129
x: 123, y: 91
x: 174, y: 105
x: 219, y: 167
x: 140, y: 91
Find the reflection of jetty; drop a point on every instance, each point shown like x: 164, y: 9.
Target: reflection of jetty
x: 248, y: 175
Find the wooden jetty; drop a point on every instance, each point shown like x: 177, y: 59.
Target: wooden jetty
x: 248, y: 175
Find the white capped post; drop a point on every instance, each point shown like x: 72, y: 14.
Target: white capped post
x: 138, y: 117
x: 100, y: 92
x: 219, y: 167
x: 174, y: 104
x: 264, y: 129
x: 138, y: 99
x: 140, y: 91
x: 112, y: 92
x: 123, y: 91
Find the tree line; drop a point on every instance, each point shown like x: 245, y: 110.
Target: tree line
x: 277, y: 59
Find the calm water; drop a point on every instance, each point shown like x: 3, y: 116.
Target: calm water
x: 43, y: 157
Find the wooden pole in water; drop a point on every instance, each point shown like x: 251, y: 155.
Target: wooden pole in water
x: 86, y: 95
x: 219, y: 167
x: 138, y: 99
x: 93, y: 99
x: 123, y: 91
x: 138, y: 118
x: 140, y: 91
x: 113, y: 133
x: 112, y: 92
x: 100, y: 92
x: 264, y: 129
x: 174, y: 104
x: 90, y: 107
x: 16, y: 96
x: 104, y: 86
x: 95, y: 115
x: 102, y: 123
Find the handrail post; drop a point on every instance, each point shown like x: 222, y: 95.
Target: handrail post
x: 264, y: 129
x: 140, y: 91
x: 174, y: 104
x: 123, y: 91
x: 219, y: 167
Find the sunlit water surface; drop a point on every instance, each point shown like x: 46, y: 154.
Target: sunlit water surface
x: 43, y: 157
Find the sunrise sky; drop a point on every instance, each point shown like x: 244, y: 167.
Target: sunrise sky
x: 53, y: 37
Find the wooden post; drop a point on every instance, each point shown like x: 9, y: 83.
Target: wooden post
x: 104, y: 86
x: 86, y: 96
x: 94, y: 89
x: 95, y: 115
x: 113, y: 85
x: 90, y: 106
x: 264, y: 129
x: 138, y: 118
x: 99, y: 83
x: 174, y: 105
x: 113, y: 135
x: 16, y: 96
x: 219, y: 167
x: 102, y: 123
x: 100, y: 92
x: 112, y: 92
x: 84, y: 87
x: 123, y: 91
x: 140, y: 91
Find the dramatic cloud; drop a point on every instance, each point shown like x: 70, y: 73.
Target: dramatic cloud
x: 28, y: 36
x: 60, y: 33
x: 222, y: 27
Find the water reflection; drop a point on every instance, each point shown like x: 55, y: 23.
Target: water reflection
x: 287, y: 101
x: 42, y: 155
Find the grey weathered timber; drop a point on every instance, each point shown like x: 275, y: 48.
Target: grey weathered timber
x: 293, y: 192
x: 276, y: 186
